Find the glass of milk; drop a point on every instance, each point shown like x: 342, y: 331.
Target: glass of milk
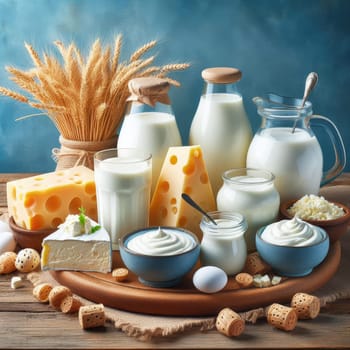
x: 123, y: 180
x: 286, y: 146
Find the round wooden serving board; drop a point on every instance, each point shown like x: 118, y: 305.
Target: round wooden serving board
x: 185, y: 300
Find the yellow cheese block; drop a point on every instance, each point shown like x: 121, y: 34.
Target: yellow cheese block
x: 183, y: 171
x: 44, y: 201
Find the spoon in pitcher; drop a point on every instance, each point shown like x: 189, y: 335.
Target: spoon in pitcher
x: 310, y: 83
x: 191, y: 202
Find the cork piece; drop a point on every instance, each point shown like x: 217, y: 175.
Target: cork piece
x: 7, y: 262
x: 282, y: 317
x: 91, y: 316
x: 70, y: 305
x: 229, y: 323
x: 221, y: 75
x: 254, y: 265
x: 305, y: 305
x: 27, y: 260
x: 120, y: 274
x: 41, y: 292
x: 245, y: 280
x: 57, y: 295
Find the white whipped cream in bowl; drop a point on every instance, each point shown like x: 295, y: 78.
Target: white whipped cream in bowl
x: 161, y: 241
x: 292, y: 247
x: 160, y: 256
x: 292, y: 233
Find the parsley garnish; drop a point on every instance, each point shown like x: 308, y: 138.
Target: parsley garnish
x: 82, y: 220
x: 82, y: 217
x: 95, y: 228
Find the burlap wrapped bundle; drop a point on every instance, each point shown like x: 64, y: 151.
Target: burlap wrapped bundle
x: 73, y: 153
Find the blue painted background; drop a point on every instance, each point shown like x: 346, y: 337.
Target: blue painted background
x: 276, y: 43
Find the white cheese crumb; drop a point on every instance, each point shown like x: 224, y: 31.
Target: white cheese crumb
x: 311, y: 207
x: 73, y: 226
x: 264, y: 281
x: 261, y: 281
x: 276, y: 280
x: 16, y: 282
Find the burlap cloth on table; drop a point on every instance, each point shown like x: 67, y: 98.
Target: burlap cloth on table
x: 145, y: 327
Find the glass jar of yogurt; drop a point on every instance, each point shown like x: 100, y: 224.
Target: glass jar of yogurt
x: 252, y: 193
x: 223, y: 244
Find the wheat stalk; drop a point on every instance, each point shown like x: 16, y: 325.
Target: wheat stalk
x: 15, y: 95
x: 174, y: 67
x: 142, y: 50
x: 84, y: 98
x: 26, y: 82
x: 116, y: 53
x: 33, y: 54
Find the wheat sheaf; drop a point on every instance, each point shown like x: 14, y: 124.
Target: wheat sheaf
x: 84, y: 97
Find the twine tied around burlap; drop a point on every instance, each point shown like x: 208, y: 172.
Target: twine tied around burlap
x: 73, y: 153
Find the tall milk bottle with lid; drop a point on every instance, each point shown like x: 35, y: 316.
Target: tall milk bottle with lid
x: 220, y: 125
x: 149, y: 124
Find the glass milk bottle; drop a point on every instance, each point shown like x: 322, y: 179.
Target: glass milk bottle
x: 223, y: 244
x: 149, y: 123
x: 220, y: 125
x: 252, y: 193
x: 286, y: 145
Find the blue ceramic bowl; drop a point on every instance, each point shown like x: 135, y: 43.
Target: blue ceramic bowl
x: 292, y: 261
x: 160, y: 271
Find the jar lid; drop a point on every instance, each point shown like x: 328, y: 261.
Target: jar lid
x: 221, y: 75
x: 149, y: 90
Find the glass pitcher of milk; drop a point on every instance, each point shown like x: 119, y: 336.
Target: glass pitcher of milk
x: 286, y: 146
x: 149, y: 123
x: 220, y: 125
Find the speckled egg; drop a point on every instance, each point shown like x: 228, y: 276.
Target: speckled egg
x: 210, y: 279
x: 27, y: 260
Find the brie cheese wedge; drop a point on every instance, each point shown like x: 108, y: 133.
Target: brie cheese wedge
x: 86, y: 252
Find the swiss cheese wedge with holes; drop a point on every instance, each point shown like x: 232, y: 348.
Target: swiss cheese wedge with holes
x: 44, y: 201
x: 183, y: 171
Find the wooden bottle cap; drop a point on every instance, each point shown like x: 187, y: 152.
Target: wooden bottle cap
x: 221, y: 75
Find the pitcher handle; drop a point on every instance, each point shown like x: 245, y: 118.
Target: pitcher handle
x: 338, y: 147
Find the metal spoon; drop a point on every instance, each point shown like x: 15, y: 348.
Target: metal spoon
x: 310, y: 83
x: 191, y: 202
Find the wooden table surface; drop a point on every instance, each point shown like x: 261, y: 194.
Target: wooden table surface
x: 27, y: 324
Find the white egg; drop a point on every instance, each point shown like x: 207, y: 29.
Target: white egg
x: 7, y: 242
x: 4, y: 227
x: 209, y: 279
